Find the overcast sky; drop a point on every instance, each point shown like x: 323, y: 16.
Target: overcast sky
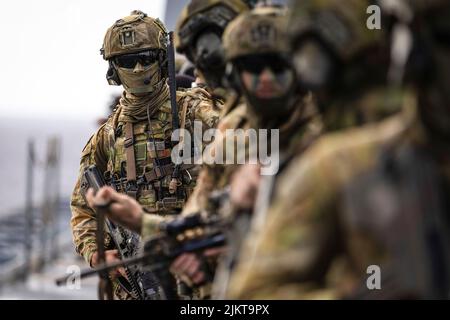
x: 50, y: 59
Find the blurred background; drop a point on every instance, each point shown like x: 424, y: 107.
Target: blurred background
x: 54, y: 94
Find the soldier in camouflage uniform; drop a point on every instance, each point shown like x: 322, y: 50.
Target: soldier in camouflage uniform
x: 256, y: 53
x: 207, y: 19
x: 370, y: 201
x: 199, y: 36
x: 345, y: 63
x: 133, y: 148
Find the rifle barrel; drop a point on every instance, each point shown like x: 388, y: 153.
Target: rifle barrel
x: 102, y: 268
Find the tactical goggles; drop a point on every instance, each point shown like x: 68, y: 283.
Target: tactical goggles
x: 129, y: 61
x: 257, y: 63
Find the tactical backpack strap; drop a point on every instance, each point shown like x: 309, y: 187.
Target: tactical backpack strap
x: 131, y: 161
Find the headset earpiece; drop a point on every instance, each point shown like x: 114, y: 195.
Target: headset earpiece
x: 231, y: 78
x: 112, y: 76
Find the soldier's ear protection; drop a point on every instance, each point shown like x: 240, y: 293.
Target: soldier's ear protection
x: 112, y: 76
x: 313, y: 61
x: 231, y: 78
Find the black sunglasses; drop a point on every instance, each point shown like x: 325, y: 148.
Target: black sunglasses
x: 129, y: 61
x: 257, y: 63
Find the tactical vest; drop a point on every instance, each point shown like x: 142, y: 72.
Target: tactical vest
x: 140, y: 165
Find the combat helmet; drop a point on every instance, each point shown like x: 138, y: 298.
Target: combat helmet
x: 201, y: 14
x: 342, y: 28
x: 131, y: 34
x: 259, y: 31
x: 255, y: 42
x: 327, y: 38
x: 134, y: 33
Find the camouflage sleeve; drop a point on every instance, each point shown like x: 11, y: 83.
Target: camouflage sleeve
x: 299, y: 251
x: 201, y: 107
x: 284, y: 256
x: 83, y: 221
x: 150, y: 224
x: 213, y: 175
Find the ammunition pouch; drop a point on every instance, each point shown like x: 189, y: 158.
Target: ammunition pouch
x: 150, y: 180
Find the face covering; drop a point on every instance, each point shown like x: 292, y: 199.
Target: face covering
x: 267, y: 85
x: 270, y: 92
x: 140, y: 79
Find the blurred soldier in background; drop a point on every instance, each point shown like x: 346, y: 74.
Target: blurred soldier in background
x: 364, y: 212
x: 183, y: 76
x: 259, y: 67
x: 133, y: 148
x: 344, y: 54
x: 198, y: 35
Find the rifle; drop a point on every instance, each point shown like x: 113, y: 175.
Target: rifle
x: 142, y: 285
x: 173, y: 106
x: 160, y: 250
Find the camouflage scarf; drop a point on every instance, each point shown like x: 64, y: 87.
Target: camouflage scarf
x: 134, y: 108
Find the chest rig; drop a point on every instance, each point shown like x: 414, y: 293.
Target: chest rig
x: 140, y: 164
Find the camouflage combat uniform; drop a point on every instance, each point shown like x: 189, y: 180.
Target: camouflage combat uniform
x: 290, y: 257
x: 345, y: 206
x: 149, y: 140
x: 106, y: 149
x: 360, y: 202
x: 302, y: 127
x: 296, y: 132
x: 197, y: 17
